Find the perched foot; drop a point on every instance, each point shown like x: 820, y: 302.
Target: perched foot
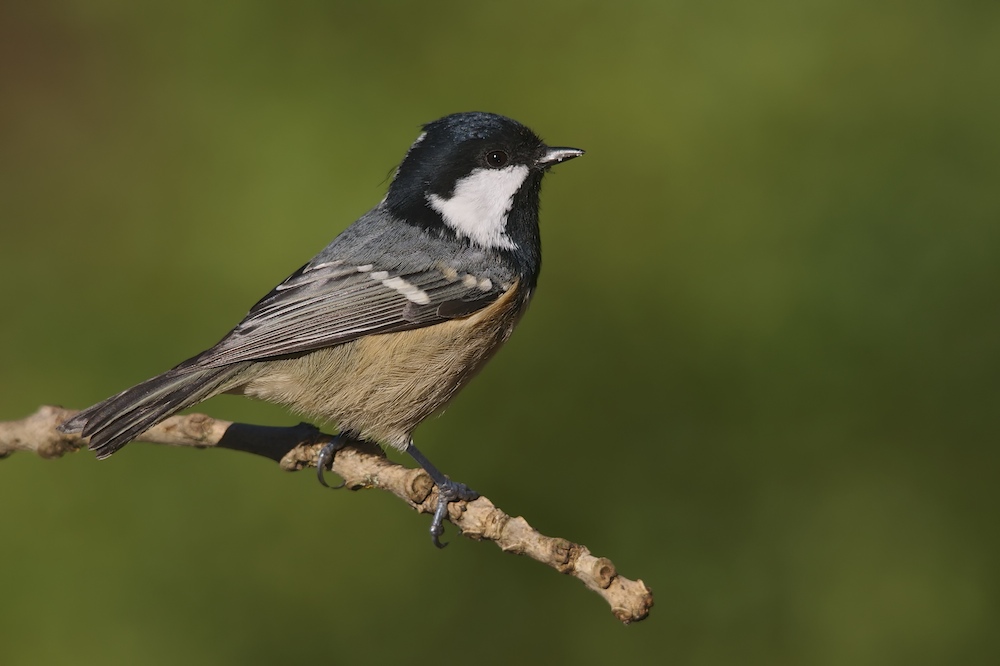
x: 326, y: 455
x: 448, y: 491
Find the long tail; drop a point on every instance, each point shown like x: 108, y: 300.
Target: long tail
x: 121, y: 418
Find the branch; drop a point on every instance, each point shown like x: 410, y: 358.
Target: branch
x: 360, y: 465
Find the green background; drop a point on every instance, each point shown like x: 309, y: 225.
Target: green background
x: 761, y: 372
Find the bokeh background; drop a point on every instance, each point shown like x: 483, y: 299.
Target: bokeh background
x: 761, y: 372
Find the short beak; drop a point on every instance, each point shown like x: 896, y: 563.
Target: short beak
x: 557, y: 155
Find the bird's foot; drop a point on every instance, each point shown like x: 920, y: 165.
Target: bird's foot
x: 448, y: 491
x: 325, y: 459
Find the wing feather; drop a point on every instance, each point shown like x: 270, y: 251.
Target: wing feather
x: 329, y: 304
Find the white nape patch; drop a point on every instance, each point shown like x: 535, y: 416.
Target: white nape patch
x: 479, y: 207
x: 411, y: 291
x: 412, y: 146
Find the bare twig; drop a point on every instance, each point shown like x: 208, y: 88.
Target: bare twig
x: 361, y: 466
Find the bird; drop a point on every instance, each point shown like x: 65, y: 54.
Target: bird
x: 389, y: 321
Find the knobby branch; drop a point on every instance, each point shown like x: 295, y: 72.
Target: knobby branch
x: 360, y: 466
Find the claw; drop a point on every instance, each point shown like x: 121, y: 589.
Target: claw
x: 325, y: 458
x: 448, y: 491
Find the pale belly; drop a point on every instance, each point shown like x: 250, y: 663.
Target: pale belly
x: 380, y: 387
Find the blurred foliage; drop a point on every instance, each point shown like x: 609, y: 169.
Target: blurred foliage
x: 761, y: 372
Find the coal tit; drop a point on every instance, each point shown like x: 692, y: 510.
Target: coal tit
x: 385, y: 325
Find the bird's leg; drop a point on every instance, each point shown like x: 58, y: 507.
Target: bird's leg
x: 326, y: 454
x: 448, y: 491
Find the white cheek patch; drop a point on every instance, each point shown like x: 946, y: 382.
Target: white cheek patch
x: 479, y: 207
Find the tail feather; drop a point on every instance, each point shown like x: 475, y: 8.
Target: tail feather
x: 115, y: 422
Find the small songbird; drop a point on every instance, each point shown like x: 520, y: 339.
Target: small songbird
x: 385, y: 325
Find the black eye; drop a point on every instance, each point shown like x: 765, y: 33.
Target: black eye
x: 496, y: 158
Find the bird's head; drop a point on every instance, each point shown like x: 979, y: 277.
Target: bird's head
x: 476, y: 176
